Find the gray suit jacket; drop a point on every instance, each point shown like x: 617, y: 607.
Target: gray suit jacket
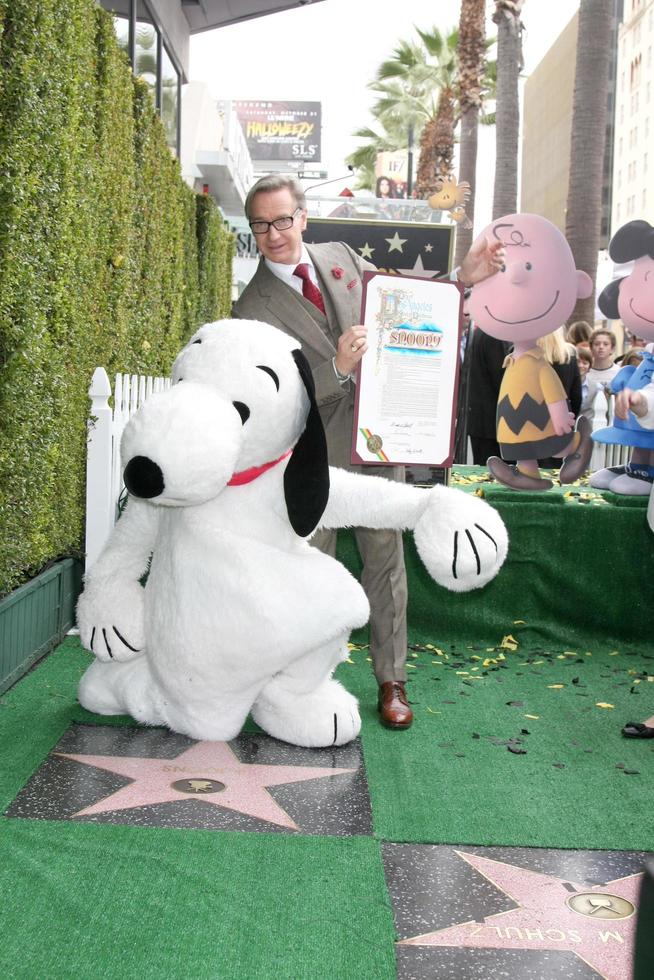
x: 269, y: 299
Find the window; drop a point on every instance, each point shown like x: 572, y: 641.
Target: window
x: 170, y: 89
x: 152, y: 61
x: 146, y: 49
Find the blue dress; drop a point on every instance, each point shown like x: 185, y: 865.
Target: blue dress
x: 629, y: 432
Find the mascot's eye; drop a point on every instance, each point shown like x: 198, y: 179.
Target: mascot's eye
x: 502, y: 268
x: 528, y: 266
x: 242, y: 410
x: 198, y: 341
x: 262, y: 367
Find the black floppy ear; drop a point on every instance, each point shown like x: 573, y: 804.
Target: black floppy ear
x: 306, y: 479
x: 608, y: 299
x: 632, y: 241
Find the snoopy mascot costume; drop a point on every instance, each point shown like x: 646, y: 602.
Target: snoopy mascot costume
x: 228, y: 478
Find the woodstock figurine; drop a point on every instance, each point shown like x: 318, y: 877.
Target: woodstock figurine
x: 532, y: 295
x: 227, y: 474
x: 631, y: 298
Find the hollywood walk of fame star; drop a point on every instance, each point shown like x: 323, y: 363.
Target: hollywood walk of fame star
x: 419, y: 270
x: 545, y: 918
x: 366, y: 251
x: 429, y: 248
x: 212, y: 773
x: 395, y: 243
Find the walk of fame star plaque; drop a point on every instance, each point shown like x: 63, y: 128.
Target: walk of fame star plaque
x: 153, y: 777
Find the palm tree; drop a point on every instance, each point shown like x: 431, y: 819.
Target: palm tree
x: 507, y: 120
x: 470, y: 86
x: 416, y: 90
x: 387, y: 136
x: 589, y: 117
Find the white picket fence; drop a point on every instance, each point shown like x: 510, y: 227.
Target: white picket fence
x: 605, y: 455
x: 104, y: 478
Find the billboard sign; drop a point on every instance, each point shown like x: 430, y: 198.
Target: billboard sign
x: 279, y: 131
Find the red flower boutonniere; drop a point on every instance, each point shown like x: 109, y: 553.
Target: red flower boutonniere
x: 337, y: 272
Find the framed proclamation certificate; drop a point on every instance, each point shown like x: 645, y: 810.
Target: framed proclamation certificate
x: 405, y: 409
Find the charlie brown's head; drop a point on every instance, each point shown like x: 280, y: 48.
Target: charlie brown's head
x: 538, y: 286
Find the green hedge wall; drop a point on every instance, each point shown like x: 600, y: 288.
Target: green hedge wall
x: 106, y: 258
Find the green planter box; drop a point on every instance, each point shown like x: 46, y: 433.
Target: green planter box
x: 36, y: 617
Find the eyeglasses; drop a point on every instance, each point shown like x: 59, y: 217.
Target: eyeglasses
x: 280, y: 224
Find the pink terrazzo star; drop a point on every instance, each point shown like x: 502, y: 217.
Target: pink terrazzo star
x: 602, y: 935
x: 205, y: 767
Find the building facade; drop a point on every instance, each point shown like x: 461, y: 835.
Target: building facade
x: 547, y: 127
x: 633, y: 197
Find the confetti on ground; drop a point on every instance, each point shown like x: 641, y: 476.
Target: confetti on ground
x: 604, y: 704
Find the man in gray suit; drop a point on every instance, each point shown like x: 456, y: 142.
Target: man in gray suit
x: 313, y: 293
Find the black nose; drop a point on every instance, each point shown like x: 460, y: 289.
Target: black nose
x: 143, y: 477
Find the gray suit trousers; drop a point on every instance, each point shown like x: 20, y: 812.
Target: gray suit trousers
x: 384, y: 582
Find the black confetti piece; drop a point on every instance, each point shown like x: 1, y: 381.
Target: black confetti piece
x: 516, y: 704
x: 476, y: 735
x: 516, y: 750
x: 559, y: 765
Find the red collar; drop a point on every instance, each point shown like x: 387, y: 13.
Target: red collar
x: 247, y: 476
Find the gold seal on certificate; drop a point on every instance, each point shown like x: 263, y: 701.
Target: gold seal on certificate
x: 407, y: 380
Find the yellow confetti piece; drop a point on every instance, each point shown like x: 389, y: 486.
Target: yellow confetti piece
x: 604, y: 704
x: 533, y: 717
x: 488, y: 662
x: 438, y: 663
x: 412, y: 666
x: 519, y: 622
x: 509, y: 643
x: 535, y: 663
x: 569, y: 653
x: 474, y: 657
x: 501, y: 656
x: 650, y: 679
x: 555, y: 687
x: 614, y: 653
x: 637, y: 680
x: 561, y: 656
x: 349, y: 661
x: 432, y: 712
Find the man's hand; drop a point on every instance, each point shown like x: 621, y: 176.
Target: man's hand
x: 483, y: 260
x: 352, y: 345
x: 629, y: 400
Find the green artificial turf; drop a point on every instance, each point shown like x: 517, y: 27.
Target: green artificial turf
x: 111, y: 902
x: 566, y: 779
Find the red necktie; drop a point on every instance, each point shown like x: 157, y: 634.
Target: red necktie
x: 309, y: 290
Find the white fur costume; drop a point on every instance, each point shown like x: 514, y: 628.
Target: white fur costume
x: 239, y: 613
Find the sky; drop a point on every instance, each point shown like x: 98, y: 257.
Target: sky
x: 328, y: 52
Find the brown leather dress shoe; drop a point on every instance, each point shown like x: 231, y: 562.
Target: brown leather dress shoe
x: 393, y: 707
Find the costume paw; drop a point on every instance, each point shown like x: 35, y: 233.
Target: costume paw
x: 112, y: 629
x: 327, y: 716
x: 461, y: 539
